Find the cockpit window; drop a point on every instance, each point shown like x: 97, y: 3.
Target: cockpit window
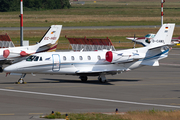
x: 30, y: 58
x: 148, y: 36
x: 40, y: 59
x: 36, y: 59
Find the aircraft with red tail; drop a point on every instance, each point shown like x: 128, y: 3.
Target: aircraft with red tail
x: 48, y: 43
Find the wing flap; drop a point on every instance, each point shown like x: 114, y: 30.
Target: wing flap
x: 150, y: 63
x: 112, y: 72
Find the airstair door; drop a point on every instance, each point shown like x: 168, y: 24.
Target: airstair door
x: 56, y: 62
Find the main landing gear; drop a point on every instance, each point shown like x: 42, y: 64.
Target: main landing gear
x: 1, y: 69
x: 21, y: 81
x: 83, y: 78
x: 101, y: 78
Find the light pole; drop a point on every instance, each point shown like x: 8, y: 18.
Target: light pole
x: 21, y: 23
x: 162, y: 1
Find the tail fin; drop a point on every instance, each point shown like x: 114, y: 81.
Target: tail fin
x: 163, y: 36
x: 51, y: 36
x: 49, y: 41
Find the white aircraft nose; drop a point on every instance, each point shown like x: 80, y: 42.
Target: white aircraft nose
x: 10, y: 68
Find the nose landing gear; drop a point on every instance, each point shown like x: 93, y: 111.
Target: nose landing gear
x: 21, y: 80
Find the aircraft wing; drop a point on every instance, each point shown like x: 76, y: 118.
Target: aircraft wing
x: 112, y: 72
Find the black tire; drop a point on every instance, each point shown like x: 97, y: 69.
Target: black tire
x: 1, y: 69
x: 101, y: 81
x: 83, y: 78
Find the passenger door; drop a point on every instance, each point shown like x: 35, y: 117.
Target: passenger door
x: 56, y: 62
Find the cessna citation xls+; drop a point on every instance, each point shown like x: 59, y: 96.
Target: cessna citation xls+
x: 97, y: 63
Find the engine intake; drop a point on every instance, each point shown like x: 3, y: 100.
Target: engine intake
x: 114, y: 57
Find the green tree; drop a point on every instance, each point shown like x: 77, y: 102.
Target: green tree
x: 14, y: 5
x: 8, y: 5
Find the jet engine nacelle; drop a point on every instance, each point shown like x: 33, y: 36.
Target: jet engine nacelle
x: 6, y: 53
x: 118, y: 57
x: 9, y: 54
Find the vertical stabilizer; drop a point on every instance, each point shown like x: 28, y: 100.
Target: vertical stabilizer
x: 49, y: 41
x: 163, y: 36
x: 52, y: 35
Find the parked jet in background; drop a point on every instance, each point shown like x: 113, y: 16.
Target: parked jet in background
x: 47, y: 43
x: 97, y: 63
x: 147, y: 38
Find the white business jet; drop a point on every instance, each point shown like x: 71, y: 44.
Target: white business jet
x: 147, y: 38
x: 97, y: 63
x: 47, y: 43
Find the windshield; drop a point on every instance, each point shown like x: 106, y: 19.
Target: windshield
x: 30, y: 58
x: 36, y: 59
x: 148, y: 36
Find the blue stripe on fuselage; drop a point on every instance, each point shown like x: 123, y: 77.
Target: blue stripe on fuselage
x: 158, y: 55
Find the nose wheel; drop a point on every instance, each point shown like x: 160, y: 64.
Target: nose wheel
x: 21, y: 80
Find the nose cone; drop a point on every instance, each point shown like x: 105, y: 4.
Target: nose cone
x: 11, y: 68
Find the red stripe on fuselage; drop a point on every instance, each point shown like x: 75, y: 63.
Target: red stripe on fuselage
x: 54, y: 47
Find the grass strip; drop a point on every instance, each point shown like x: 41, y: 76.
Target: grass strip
x: 131, y: 115
x: 117, y: 36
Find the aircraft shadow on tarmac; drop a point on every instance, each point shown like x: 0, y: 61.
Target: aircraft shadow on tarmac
x: 91, y: 81
x: 176, y: 90
x: 49, y: 80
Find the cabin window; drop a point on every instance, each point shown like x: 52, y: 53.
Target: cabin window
x: 72, y: 57
x: 30, y: 58
x: 40, y: 59
x: 64, y: 58
x: 36, y: 59
x: 99, y: 57
x: 88, y: 57
x: 80, y: 57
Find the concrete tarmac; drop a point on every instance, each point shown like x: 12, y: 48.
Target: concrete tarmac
x: 145, y: 88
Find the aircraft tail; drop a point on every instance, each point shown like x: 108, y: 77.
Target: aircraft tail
x: 49, y: 41
x: 163, y: 36
x: 158, y: 47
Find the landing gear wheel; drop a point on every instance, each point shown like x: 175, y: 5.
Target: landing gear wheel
x: 21, y: 81
x: 1, y: 69
x: 101, y: 80
x: 83, y: 78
